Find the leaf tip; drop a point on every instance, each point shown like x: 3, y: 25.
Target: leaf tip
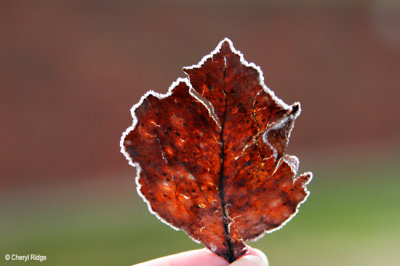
x: 296, y: 109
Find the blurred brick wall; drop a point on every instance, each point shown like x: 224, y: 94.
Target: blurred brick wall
x: 71, y: 70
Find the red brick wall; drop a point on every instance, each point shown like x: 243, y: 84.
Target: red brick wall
x: 71, y: 70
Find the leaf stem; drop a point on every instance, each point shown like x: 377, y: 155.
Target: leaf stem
x: 225, y: 219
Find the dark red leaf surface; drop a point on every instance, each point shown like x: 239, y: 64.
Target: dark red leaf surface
x: 211, y: 155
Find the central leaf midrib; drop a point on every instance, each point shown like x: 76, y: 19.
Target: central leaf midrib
x: 225, y: 218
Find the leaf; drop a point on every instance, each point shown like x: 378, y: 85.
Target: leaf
x: 210, y: 154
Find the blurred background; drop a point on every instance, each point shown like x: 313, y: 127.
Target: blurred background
x: 71, y: 70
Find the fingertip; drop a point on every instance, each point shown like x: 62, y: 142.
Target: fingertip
x: 250, y: 260
x: 197, y: 257
x: 259, y: 253
x: 253, y: 257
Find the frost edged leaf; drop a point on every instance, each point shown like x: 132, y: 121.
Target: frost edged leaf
x: 211, y: 155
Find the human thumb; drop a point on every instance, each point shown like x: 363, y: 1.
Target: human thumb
x: 251, y: 260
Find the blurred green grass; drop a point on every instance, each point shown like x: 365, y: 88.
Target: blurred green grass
x: 352, y: 217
